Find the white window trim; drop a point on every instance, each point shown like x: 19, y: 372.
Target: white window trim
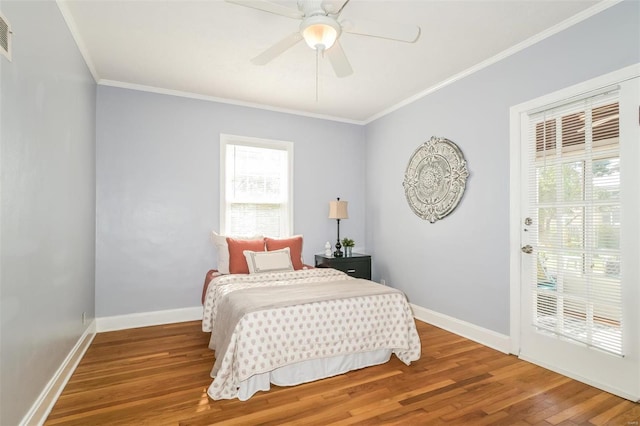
x: 227, y: 139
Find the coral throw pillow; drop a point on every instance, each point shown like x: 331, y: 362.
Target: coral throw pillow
x: 237, y: 261
x: 295, y: 247
x: 220, y: 242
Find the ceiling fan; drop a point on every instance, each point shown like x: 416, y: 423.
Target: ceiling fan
x: 321, y: 28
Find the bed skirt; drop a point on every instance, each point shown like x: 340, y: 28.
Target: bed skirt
x: 311, y: 370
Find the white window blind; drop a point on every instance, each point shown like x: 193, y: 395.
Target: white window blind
x: 574, y: 182
x: 257, y: 187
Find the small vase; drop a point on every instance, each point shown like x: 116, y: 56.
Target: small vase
x: 347, y: 251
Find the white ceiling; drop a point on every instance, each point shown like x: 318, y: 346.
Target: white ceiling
x: 204, y: 48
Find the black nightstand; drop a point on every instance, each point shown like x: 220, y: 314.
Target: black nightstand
x: 356, y: 265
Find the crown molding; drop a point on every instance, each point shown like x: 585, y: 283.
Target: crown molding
x: 567, y: 23
x: 179, y: 93
x: 71, y: 24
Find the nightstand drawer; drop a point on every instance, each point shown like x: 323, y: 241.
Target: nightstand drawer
x: 357, y: 269
x: 357, y: 266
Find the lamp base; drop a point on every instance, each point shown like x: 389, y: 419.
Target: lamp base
x: 338, y: 252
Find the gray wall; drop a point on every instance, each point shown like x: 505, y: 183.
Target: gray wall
x: 47, y: 222
x: 158, y: 191
x: 460, y: 266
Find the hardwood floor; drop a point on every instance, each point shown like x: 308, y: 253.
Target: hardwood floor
x: 159, y: 376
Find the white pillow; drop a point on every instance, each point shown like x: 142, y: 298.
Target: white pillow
x: 220, y: 241
x: 268, y: 261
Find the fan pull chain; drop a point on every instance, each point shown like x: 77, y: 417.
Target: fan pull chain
x: 317, y: 69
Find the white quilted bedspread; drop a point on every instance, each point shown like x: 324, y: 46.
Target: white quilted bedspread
x: 267, y: 339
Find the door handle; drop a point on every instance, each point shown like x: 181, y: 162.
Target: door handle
x: 527, y: 249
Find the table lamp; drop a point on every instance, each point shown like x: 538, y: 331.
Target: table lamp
x: 337, y: 211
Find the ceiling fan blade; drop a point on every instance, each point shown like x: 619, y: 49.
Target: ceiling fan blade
x: 277, y: 49
x: 339, y: 60
x: 334, y: 7
x: 386, y: 30
x: 267, y: 6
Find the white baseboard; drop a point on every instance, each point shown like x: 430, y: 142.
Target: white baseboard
x: 497, y: 341
x: 146, y: 319
x: 41, y: 408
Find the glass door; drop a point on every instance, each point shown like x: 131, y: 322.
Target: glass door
x: 579, y: 271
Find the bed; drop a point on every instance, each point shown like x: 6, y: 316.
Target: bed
x: 292, y: 326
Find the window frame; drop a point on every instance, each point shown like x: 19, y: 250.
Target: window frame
x: 227, y: 140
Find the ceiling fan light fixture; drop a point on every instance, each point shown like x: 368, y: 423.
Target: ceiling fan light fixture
x: 320, y: 32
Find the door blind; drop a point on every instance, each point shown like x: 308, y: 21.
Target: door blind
x: 574, y: 187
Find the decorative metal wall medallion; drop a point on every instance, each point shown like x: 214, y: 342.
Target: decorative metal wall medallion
x: 435, y: 179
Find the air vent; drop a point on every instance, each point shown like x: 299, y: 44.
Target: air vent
x: 5, y: 37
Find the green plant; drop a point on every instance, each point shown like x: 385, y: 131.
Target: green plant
x: 348, y: 242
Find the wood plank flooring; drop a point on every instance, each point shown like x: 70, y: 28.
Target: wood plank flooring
x: 159, y: 376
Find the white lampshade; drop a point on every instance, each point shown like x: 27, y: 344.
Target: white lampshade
x: 320, y: 31
x: 338, y: 209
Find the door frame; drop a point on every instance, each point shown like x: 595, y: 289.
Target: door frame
x: 518, y: 119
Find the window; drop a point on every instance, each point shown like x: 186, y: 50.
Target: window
x: 575, y: 200
x: 256, y: 186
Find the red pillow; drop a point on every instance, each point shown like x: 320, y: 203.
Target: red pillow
x: 295, y: 248
x: 237, y: 261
